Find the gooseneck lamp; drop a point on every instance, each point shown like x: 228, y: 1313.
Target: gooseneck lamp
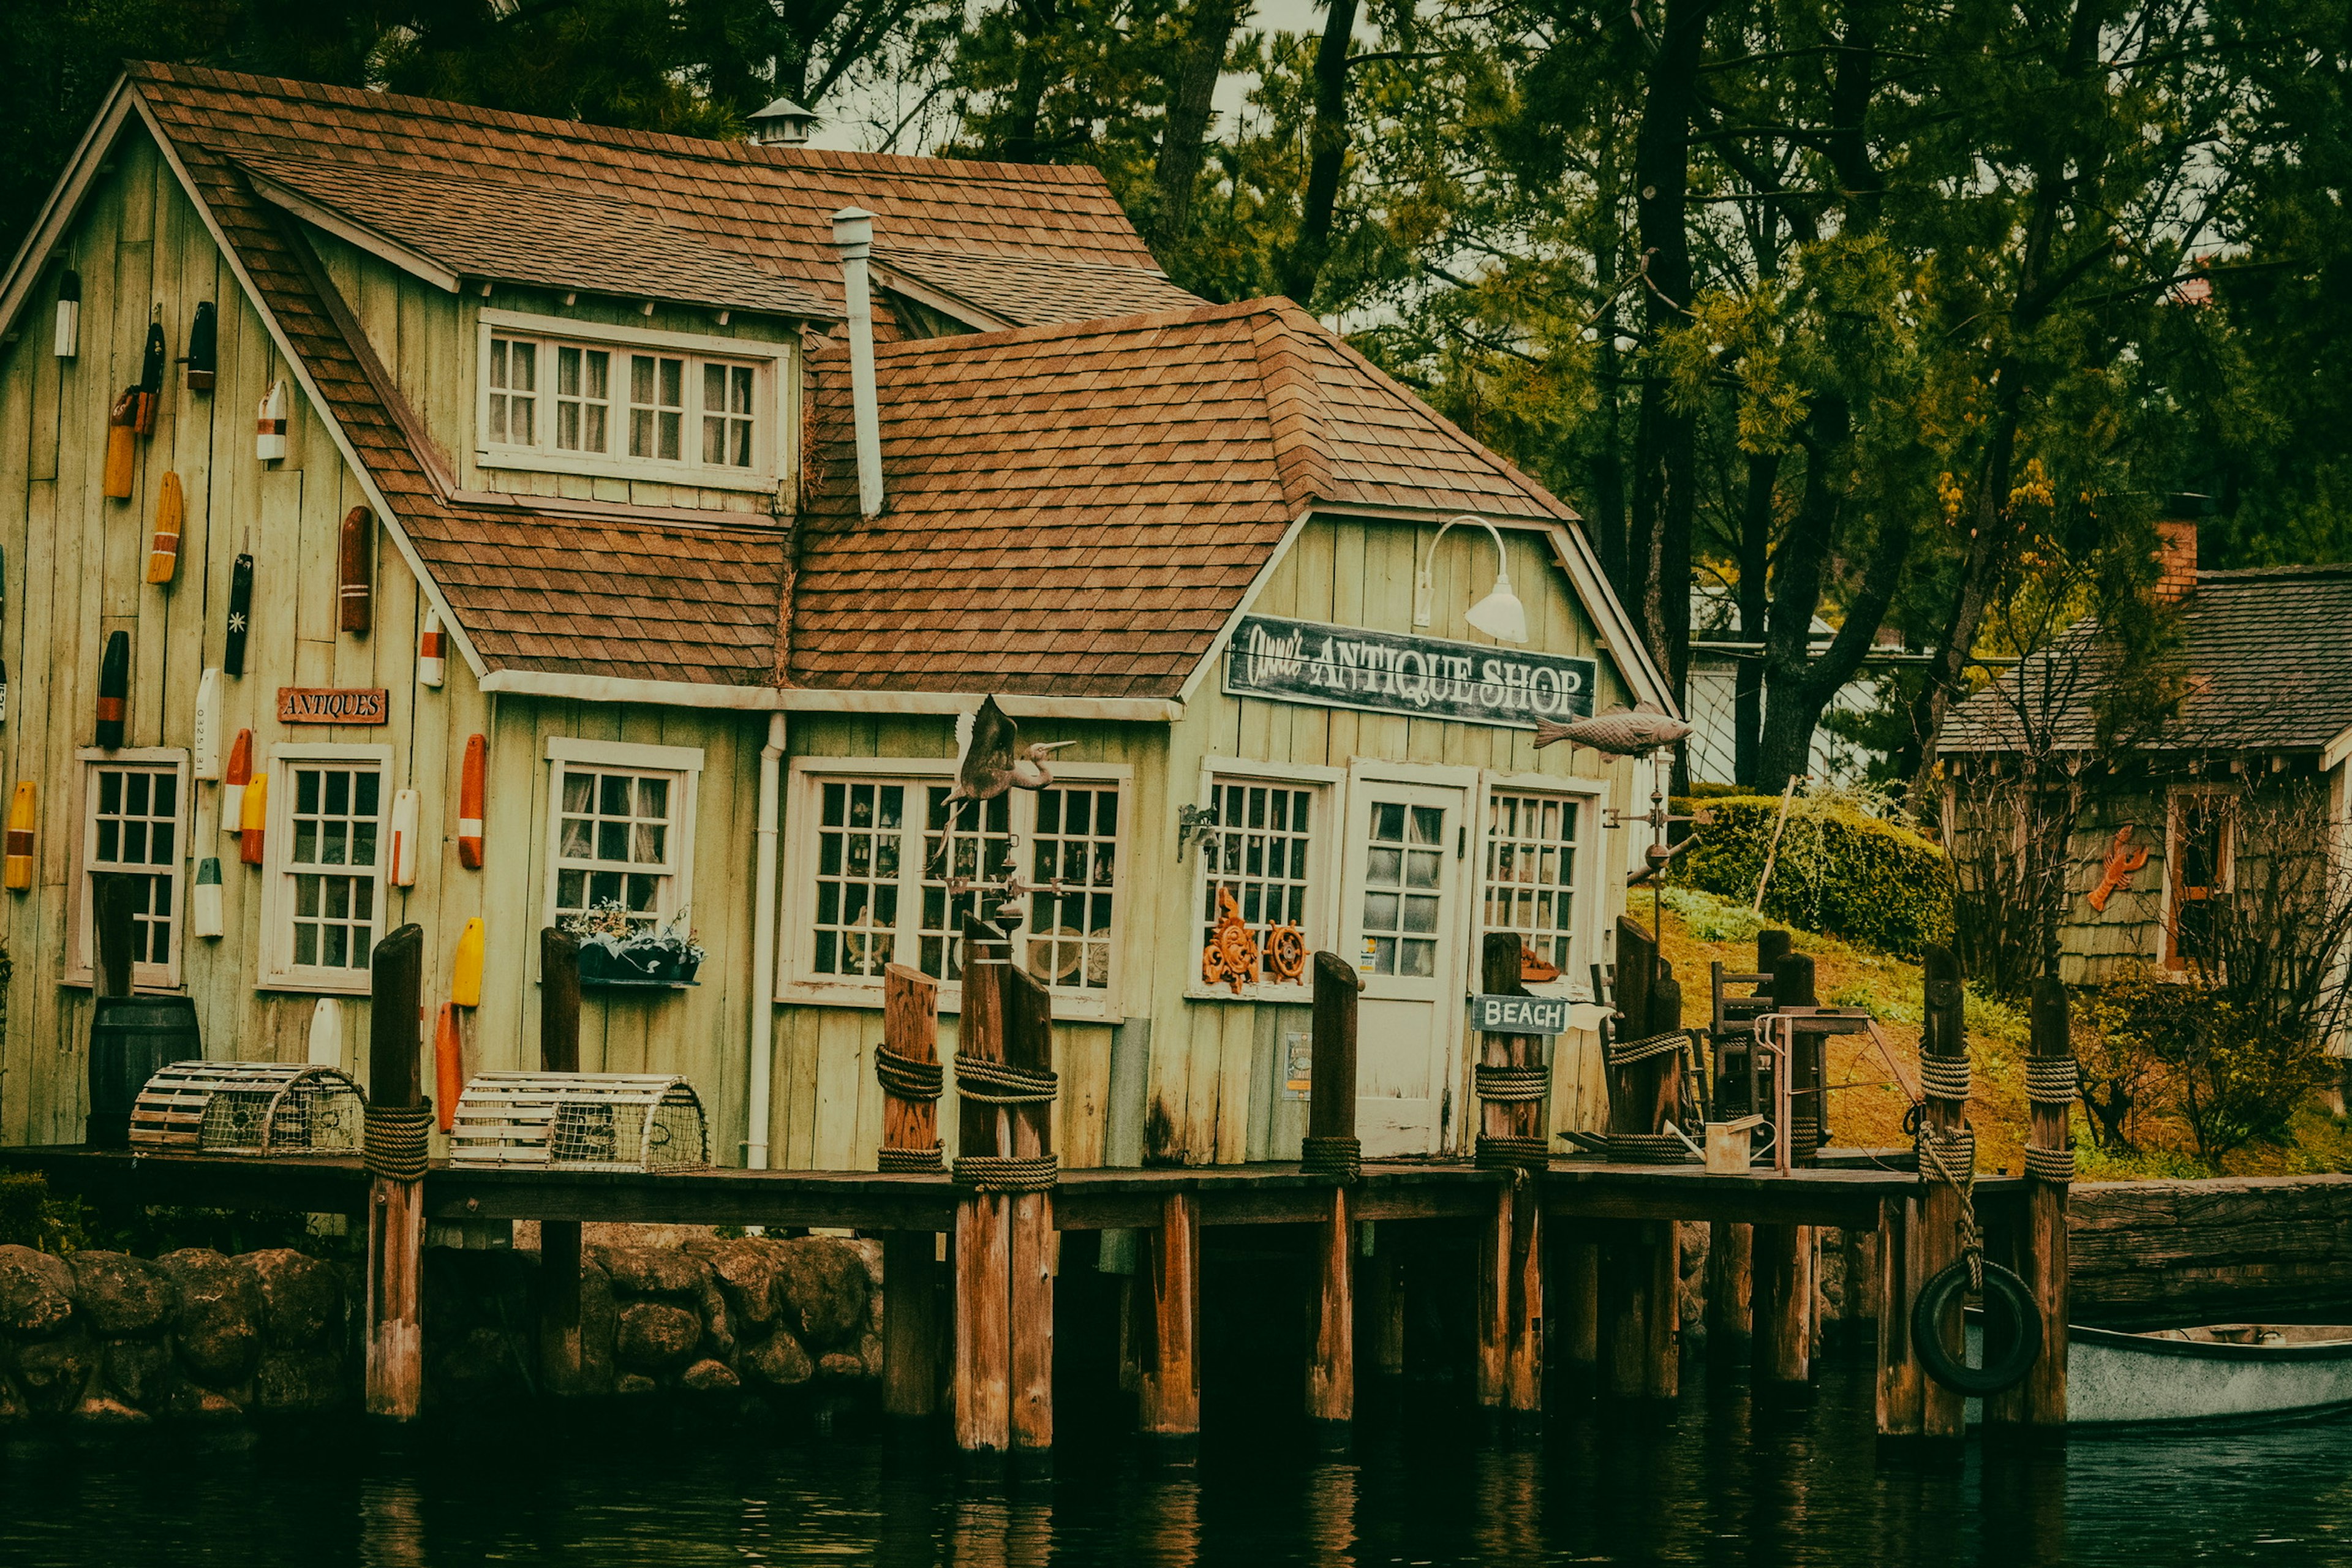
x: 1499, y: 615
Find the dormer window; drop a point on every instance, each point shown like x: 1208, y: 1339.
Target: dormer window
x: 568, y: 397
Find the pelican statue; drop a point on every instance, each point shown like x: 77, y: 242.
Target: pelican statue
x: 990, y: 759
x: 1621, y: 731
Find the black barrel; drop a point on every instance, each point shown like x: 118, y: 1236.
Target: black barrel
x: 129, y: 1038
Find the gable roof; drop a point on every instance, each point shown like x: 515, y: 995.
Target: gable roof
x: 2262, y: 655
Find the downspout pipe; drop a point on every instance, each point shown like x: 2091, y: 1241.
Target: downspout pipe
x: 853, y: 236
x: 761, y: 1049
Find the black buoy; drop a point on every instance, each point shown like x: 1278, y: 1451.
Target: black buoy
x: 129, y: 1036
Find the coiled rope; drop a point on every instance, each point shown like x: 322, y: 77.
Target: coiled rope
x: 1342, y: 1158
x: 986, y: 1082
x: 1525, y: 1153
x: 2054, y: 1165
x: 2053, y: 1080
x: 906, y: 1077
x: 397, y: 1137
x: 1950, y: 1157
x: 1626, y: 1053
x: 1944, y: 1077
x: 1007, y: 1173
x: 916, y: 1162
x: 1511, y: 1083
x: 1650, y: 1149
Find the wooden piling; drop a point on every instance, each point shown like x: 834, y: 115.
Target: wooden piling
x: 1730, y: 1289
x: 1029, y: 1044
x: 910, y: 1141
x: 1902, y: 1383
x: 1937, y: 1244
x: 2038, y: 1404
x: 1792, y: 987
x: 1382, y: 1287
x: 395, y: 1241
x: 1332, y: 1147
x: 1783, y: 1296
x: 1576, y: 1307
x: 558, y: 1239
x: 1169, y: 1402
x: 983, y: 1233
x: 1641, y: 1315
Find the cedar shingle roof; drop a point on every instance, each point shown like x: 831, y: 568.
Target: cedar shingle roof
x: 1078, y: 509
x: 1022, y: 293
x: 2262, y: 655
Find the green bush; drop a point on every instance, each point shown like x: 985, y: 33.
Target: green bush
x: 1839, y: 870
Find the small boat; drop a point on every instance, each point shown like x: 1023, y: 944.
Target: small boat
x: 2220, y: 1371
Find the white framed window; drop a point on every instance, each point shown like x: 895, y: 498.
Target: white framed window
x: 1536, y: 862
x: 881, y: 871
x: 1267, y: 851
x: 134, y: 821
x: 620, y: 828
x: 567, y: 396
x: 322, y: 864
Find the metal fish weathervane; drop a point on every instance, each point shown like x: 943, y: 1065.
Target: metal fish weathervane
x: 1621, y: 731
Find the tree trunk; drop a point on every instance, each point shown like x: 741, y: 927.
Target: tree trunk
x: 1183, y: 142
x: 1755, y: 604
x: 1020, y: 141
x: 1327, y: 143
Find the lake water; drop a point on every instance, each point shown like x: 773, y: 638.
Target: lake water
x: 1713, y: 1481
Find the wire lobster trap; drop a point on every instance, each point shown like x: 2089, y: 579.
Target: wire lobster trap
x: 249, y: 1108
x: 581, y: 1121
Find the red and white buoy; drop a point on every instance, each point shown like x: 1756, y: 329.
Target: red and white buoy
x: 432, y: 651
x: 403, y: 838
x: 269, y: 426
x: 357, y: 595
x: 239, y: 775
x: 469, y: 804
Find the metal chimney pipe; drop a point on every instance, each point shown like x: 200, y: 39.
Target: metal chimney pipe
x: 852, y: 236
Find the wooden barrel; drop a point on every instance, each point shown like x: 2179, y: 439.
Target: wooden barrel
x: 129, y: 1039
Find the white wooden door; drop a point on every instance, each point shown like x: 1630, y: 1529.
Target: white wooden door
x: 1400, y: 905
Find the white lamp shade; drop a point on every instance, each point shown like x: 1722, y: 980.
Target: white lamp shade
x: 1500, y: 615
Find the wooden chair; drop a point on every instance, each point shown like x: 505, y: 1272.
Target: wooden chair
x: 1742, y: 1078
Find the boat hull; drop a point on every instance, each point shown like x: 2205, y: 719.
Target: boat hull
x: 2118, y: 1379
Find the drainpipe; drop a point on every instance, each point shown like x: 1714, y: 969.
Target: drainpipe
x: 852, y: 236
x: 763, y: 947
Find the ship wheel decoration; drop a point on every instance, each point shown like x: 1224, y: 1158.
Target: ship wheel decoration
x: 1286, y: 952
x: 1231, y: 957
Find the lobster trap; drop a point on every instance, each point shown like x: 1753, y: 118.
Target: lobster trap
x: 581, y: 1121
x: 249, y: 1108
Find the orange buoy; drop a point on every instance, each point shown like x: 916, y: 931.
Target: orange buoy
x: 448, y: 1067
x: 432, y: 651
x: 122, y: 451
x: 252, y: 818
x: 170, y: 516
x: 469, y: 804
x: 23, y: 818
x: 238, y: 774
x: 358, y: 583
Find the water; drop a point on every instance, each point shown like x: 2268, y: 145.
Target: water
x: 1714, y: 1482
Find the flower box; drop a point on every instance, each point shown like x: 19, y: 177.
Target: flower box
x: 646, y: 965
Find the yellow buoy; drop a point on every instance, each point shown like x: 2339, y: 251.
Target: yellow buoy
x: 252, y: 816
x: 466, y: 973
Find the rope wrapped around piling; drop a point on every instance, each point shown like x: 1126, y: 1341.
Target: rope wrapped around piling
x: 1650, y: 1149
x: 397, y: 1137
x: 1341, y: 1158
x: 906, y: 1077
x: 2053, y: 1080
x: 2054, y: 1165
x: 985, y: 1082
x: 1511, y: 1083
x: 1627, y: 1052
x: 1951, y: 1158
x: 1526, y: 1153
x: 1008, y: 1174
x: 1944, y: 1077
x: 913, y: 1161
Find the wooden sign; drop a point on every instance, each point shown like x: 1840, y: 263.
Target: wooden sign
x: 325, y: 705
x: 1422, y: 678
x: 1518, y: 1015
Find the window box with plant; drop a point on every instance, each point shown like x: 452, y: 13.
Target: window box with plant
x: 621, y: 948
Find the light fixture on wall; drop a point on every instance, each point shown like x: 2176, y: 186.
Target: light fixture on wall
x: 1499, y: 615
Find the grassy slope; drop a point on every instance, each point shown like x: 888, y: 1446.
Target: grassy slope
x: 1699, y: 930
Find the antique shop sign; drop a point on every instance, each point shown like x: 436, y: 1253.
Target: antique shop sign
x: 325, y: 705
x: 1518, y: 1015
x: 1422, y: 678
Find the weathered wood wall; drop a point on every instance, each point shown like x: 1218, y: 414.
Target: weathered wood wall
x: 2162, y: 1254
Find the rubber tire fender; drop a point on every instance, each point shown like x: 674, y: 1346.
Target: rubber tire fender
x: 2006, y: 1296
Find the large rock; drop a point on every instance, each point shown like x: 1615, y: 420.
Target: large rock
x: 35, y: 1291
x: 219, y: 1325
x: 840, y: 1366
x: 747, y: 1275
x: 299, y: 1380
x: 302, y: 1298
x: 822, y: 1284
x: 102, y: 1410
x: 708, y: 1377
x: 598, y: 1326
x: 120, y: 1294
x: 779, y: 1361
x: 653, y: 1270
x: 474, y: 1366
x: 55, y: 1373
x: 139, y: 1370
x: 656, y: 1336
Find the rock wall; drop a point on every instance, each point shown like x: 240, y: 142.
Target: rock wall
x: 103, y: 1337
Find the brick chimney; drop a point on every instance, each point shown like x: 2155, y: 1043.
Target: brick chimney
x: 2176, y: 559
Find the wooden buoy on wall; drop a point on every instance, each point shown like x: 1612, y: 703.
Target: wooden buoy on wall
x: 170, y: 516
x: 466, y: 969
x: 204, y: 347
x: 240, y: 615
x: 114, y: 691
x: 357, y: 584
x: 403, y: 865
x: 24, y: 819
x: 68, y: 342
x: 235, y: 777
x: 121, y: 448
x: 252, y: 818
x: 432, y: 651
x: 204, y: 915
x: 327, y: 1033
x: 469, y: 804
x: 269, y: 426
x: 448, y: 1066
x: 204, y: 748
x: 150, y: 379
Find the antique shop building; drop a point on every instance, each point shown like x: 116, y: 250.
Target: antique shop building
x: 583, y: 554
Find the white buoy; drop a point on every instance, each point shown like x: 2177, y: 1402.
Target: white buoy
x: 403, y: 838
x: 205, y: 917
x: 327, y: 1033
x: 432, y: 651
x: 269, y: 426
x: 68, y: 342
x: 206, y: 750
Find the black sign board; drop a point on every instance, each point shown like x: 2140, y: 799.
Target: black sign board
x: 1422, y: 678
x: 1518, y: 1015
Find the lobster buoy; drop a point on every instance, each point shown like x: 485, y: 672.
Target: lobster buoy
x: 357, y: 585
x: 205, y: 753
x: 432, y: 651
x: 150, y: 378
x: 448, y: 1066
x: 68, y: 336
x: 23, y: 817
x: 114, y: 691
x: 240, y: 615
x: 205, y: 918
x: 403, y: 838
x: 235, y: 779
x: 466, y: 970
x: 269, y: 426
x: 170, y: 516
x: 469, y: 804
x: 204, y: 347
x: 252, y: 818
x: 327, y: 1034
x: 121, y: 451
x: 2012, y: 1323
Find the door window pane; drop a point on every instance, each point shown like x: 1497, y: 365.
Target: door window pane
x: 1401, y: 912
x: 135, y: 831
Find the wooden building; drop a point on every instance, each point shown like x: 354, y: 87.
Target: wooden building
x: 721, y: 478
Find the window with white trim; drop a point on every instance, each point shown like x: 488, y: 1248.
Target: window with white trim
x: 1261, y: 853
x: 620, y: 828
x: 134, y: 823
x: 1532, y: 844
x: 568, y: 397
x: 888, y: 871
x: 323, y: 852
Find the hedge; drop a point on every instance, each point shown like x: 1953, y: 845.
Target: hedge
x: 1840, y: 871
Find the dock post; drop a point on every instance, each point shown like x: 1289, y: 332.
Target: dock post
x: 1029, y: 1049
x: 1332, y: 1148
x: 1783, y: 1288
x: 909, y: 1066
x: 1514, y: 1086
x: 399, y: 1125
x: 1902, y: 1383
x: 558, y: 1239
x: 983, y: 1233
x: 1170, y: 1405
x: 1943, y: 1065
x: 1577, y: 1309
x: 1382, y: 1289
x: 1730, y: 1289
x: 2039, y: 1404
x: 1641, y: 1314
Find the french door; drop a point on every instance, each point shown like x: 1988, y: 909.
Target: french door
x: 1401, y: 914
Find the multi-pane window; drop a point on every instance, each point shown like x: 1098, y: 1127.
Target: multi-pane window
x: 726, y: 423
x: 1531, y: 866
x: 133, y: 827
x: 1404, y: 867
x: 615, y: 838
x: 334, y: 841
x: 1258, y: 853
x: 572, y: 405
x: 2198, y: 848
x: 860, y: 840
x: 1074, y: 859
x: 963, y: 846
x: 583, y: 398
x: 514, y: 393
x: 657, y: 407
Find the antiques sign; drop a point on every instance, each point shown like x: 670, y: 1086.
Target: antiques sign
x: 1420, y: 678
x: 1518, y: 1015
x: 325, y: 705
